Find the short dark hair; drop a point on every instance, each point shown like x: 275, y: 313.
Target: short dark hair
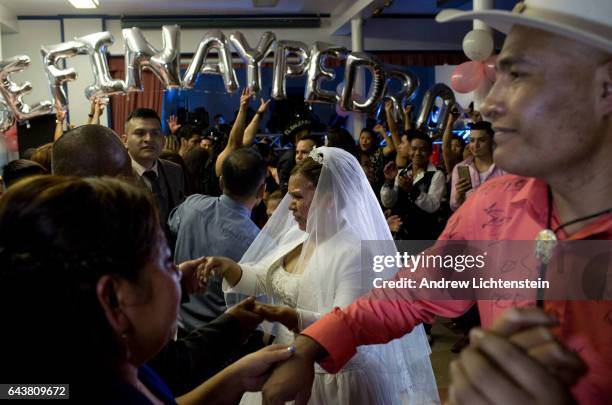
x: 307, y: 137
x: 455, y: 137
x: 341, y: 138
x: 144, y: 113
x: 243, y: 172
x: 91, y: 151
x: 18, y: 169
x: 483, y: 126
x: 188, y: 131
x: 413, y: 134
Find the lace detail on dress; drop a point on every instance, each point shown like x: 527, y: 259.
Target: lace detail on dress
x: 285, y: 285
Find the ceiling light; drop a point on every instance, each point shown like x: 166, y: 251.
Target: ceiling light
x: 84, y: 3
x: 265, y: 3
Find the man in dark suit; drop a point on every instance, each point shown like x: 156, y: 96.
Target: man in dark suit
x: 144, y: 141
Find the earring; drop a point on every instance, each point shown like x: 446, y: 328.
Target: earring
x: 126, y: 345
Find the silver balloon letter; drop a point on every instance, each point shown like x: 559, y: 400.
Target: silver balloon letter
x: 13, y: 93
x: 355, y: 61
x: 283, y: 68
x: 317, y: 72
x: 253, y: 57
x: 429, y: 101
x: 139, y: 54
x: 57, y: 76
x: 104, y: 85
x: 212, y: 40
x: 7, y: 119
x: 410, y: 85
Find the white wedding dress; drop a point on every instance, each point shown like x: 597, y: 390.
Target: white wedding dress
x: 371, y: 377
x: 343, y: 214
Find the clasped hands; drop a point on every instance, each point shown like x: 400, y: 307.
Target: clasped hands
x: 198, y: 273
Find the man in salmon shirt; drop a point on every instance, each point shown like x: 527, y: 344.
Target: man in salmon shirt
x: 551, y: 109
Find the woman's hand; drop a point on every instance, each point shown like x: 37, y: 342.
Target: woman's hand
x: 253, y: 370
x: 277, y: 313
x: 390, y: 171
x: 245, y: 98
x: 222, y: 266
x: 189, y: 275
x: 263, y: 106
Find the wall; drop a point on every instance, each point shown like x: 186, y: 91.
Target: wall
x: 27, y: 41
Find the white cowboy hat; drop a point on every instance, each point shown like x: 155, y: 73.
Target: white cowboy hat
x: 588, y: 21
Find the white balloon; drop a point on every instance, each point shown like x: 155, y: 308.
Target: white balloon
x: 478, y: 45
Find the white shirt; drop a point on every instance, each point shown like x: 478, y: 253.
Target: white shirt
x: 429, y: 202
x: 140, y: 169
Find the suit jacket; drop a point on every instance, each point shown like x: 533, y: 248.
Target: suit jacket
x: 172, y: 184
x: 171, y: 180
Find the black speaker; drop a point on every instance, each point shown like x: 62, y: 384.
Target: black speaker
x: 35, y: 132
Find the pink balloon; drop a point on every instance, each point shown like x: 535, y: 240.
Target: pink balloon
x: 467, y: 77
x: 489, y: 67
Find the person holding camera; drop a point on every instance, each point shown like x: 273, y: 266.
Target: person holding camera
x: 478, y: 168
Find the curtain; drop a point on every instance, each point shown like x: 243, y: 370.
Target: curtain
x: 122, y: 105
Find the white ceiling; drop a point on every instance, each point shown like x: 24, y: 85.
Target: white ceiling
x: 170, y: 7
x: 217, y: 7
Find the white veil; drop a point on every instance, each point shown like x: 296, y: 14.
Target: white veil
x: 344, y: 212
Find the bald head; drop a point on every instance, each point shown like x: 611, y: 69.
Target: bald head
x: 91, y: 151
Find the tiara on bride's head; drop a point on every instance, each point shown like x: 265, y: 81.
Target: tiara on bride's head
x: 316, y: 156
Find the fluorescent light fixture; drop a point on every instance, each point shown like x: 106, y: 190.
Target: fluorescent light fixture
x: 265, y: 3
x: 84, y: 3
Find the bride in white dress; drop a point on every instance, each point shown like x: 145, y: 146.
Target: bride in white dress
x: 307, y: 260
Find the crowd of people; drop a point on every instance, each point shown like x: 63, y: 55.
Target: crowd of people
x: 196, y: 268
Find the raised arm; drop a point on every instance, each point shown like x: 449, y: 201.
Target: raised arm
x: 390, y: 144
x: 407, y: 119
x: 447, y: 153
x: 60, y: 115
x: 235, y: 137
x: 98, y: 111
x: 251, y: 129
x: 393, y: 128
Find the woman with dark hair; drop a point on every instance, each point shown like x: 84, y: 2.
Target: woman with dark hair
x: 369, y: 149
x: 341, y: 138
x: 90, y: 293
x: 196, y: 162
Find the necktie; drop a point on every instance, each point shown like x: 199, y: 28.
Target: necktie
x: 153, y: 179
